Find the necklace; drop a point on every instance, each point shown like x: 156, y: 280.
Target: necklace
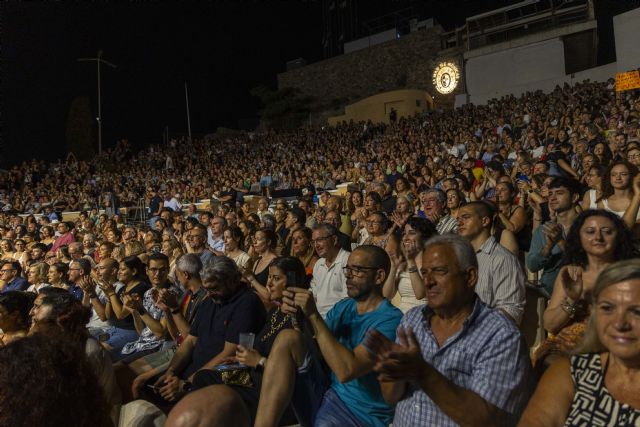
x: 275, y: 328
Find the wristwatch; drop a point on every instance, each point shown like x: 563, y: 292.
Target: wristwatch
x: 175, y: 310
x: 187, y: 386
x: 260, y: 366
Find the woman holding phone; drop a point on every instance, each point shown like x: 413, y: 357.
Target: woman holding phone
x: 284, y: 272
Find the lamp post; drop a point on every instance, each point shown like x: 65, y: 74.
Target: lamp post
x: 98, y: 59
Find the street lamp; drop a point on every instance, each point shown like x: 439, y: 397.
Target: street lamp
x: 98, y: 59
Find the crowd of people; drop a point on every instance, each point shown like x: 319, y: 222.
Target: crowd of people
x: 399, y: 299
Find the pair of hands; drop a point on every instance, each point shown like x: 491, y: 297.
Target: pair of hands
x: 409, y: 250
x: 168, y: 385
x: 552, y: 232
x: 400, y: 361
x: 164, y: 299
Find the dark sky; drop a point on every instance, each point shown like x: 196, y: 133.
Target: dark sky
x: 222, y: 50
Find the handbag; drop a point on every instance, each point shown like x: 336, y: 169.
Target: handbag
x: 237, y: 377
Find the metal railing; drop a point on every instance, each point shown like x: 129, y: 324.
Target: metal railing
x: 517, y: 20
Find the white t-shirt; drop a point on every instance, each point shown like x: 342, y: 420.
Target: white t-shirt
x: 329, y: 284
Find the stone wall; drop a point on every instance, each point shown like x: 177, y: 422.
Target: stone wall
x: 404, y: 63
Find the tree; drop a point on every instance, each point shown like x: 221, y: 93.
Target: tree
x: 80, y: 123
x: 284, y: 108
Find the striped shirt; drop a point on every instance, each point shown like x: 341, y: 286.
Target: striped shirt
x: 487, y: 356
x: 500, y: 279
x: 447, y: 224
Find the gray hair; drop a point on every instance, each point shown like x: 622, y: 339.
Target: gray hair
x: 220, y: 269
x: 441, y: 195
x: 617, y: 272
x: 190, y: 263
x: 465, y: 253
x: 91, y: 236
x: 269, y: 221
x: 329, y: 228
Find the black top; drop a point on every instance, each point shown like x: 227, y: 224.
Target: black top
x: 216, y: 324
x: 127, y: 322
x: 344, y: 241
x: 263, y: 276
x: 154, y: 204
x: 276, y: 322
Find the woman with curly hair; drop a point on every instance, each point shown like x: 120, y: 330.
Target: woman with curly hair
x: 58, y: 314
x: 617, y: 188
x: 35, y: 366
x: 595, y: 240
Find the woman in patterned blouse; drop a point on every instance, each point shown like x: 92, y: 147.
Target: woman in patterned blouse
x: 600, y: 384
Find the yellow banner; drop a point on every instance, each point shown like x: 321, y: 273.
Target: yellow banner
x: 627, y: 81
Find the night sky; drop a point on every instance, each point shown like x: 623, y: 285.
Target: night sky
x: 222, y: 50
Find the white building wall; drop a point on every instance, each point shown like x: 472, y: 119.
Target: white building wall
x: 626, y: 28
x: 540, y: 66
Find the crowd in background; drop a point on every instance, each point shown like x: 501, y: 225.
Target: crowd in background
x: 541, y: 189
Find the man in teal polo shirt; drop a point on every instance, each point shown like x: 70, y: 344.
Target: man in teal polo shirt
x: 353, y: 397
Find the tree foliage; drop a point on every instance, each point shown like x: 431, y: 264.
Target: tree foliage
x: 80, y: 129
x: 285, y: 108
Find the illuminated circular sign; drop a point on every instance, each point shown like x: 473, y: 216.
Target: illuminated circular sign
x: 446, y: 77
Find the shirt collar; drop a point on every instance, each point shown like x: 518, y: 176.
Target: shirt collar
x: 477, y: 307
x: 488, y: 245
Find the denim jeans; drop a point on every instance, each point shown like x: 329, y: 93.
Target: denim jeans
x: 334, y: 413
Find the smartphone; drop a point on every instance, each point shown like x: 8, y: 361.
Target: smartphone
x: 153, y: 388
x: 231, y: 367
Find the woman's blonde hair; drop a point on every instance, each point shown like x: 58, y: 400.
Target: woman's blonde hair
x: 614, y: 273
x: 133, y: 248
x: 41, y: 269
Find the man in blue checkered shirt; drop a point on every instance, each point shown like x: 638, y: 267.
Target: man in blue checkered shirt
x: 455, y: 361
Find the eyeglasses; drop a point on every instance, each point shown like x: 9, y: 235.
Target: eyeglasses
x: 321, y: 239
x: 356, y: 270
x: 7, y: 270
x: 373, y: 222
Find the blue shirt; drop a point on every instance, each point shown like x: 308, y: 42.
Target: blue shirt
x: 550, y: 264
x: 487, y: 356
x: 17, y: 284
x: 362, y: 395
x: 76, y: 291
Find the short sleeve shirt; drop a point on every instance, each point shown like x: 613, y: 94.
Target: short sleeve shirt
x: 362, y: 395
x: 487, y: 356
x: 216, y: 324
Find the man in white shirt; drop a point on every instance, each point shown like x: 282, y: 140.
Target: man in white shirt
x: 215, y: 234
x: 174, y: 203
x: 329, y: 284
